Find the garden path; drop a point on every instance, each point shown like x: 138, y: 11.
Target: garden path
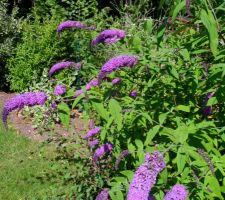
x: 24, y: 125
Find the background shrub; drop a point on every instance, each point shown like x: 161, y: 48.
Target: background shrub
x: 10, y: 30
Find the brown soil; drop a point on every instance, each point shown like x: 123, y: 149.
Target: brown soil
x: 24, y: 126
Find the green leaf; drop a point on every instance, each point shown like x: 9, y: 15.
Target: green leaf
x: 177, y: 9
x: 116, y: 195
x: 160, y: 34
x: 183, y: 108
x: 214, y: 185
x: 99, y: 107
x: 128, y: 173
x: 211, y: 26
x: 162, y: 118
x: 131, y: 148
x: 173, y: 72
x: 151, y: 134
x: 185, y: 54
x: 64, y: 114
x: 115, y: 111
x: 148, y: 25
x: 77, y: 100
x: 136, y: 42
x: 181, y: 159
x: 139, y: 144
x: 212, y: 101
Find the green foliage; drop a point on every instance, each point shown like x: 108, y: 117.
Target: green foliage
x: 178, y: 66
x: 10, y: 29
x: 40, y: 48
x: 75, y: 9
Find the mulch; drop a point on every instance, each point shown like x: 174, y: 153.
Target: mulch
x: 24, y: 127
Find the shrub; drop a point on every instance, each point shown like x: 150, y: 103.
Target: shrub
x: 10, y: 29
x: 40, y: 48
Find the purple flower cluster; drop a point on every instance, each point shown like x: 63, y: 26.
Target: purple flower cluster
x: 208, y: 109
x: 59, y: 90
x: 133, y: 93
x: 103, y: 195
x: 92, y: 83
x: 93, y: 143
x: 91, y: 123
x: 177, y: 192
x: 116, y: 63
x: 63, y: 65
x: 145, y: 176
x: 78, y: 93
x: 107, y: 147
x: 116, y: 81
x: 72, y: 24
x: 54, y: 105
x: 92, y: 132
x: 19, y: 101
x: 123, y: 154
x: 109, y: 36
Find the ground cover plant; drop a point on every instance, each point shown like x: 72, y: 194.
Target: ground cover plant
x: 153, y: 93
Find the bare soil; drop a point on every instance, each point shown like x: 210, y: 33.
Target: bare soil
x: 24, y: 126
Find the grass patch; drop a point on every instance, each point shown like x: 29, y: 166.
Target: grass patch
x: 20, y: 166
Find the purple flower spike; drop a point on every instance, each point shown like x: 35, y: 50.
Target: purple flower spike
x: 78, y: 93
x: 133, y: 93
x: 207, y: 110
x: 116, y: 81
x: 63, y: 65
x: 145, y: 176
x: 116, y: 63
x: 109, y: 36
x: 120, y: 157
x: 178, y: 192
x: 91, y: 123
x: 21, y: 100
x: 99, y: 152
x: 92, y: 132
x: 103, y: 195
x: 92, y: 83
x: 59, y: 90
x: 93, y: 143
x: 54, y: 105
x: 73, y: 24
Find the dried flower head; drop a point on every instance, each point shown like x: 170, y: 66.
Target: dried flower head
x: 145, y: 176
x: 63, y: 65
x: 21, y: 100
x: 99, y: 152
x: 116, y: 63
x: 205, y: 156
x: 177, y: 192
x: 109, y: 36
